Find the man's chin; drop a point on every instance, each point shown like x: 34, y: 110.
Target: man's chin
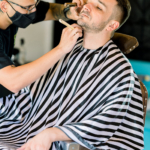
x: 83, y: 24
x: 80, y: 22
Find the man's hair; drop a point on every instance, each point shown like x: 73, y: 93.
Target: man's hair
x: 124, y: 11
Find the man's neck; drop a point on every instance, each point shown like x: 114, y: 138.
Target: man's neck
x: 95, y: 40
x: 4, y: 23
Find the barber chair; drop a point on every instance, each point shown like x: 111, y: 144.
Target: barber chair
x: 126, y: 44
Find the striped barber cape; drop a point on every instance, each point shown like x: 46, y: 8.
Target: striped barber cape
x: 93, y: 96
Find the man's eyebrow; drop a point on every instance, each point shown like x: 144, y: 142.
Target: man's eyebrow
x: 102, y: 3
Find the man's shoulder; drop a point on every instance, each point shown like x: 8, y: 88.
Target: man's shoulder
x: 113, y: 48
x: 116, y: 56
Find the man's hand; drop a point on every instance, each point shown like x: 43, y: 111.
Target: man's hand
x: 73, y: 13
x: 69, y: 38
x: 44, y: 139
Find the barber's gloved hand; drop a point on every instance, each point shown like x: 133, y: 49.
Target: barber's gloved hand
x: 73, y: 13
x: 69, y: 38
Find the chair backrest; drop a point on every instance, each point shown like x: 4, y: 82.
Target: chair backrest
x: 125, y: 42
x: 145, y: 98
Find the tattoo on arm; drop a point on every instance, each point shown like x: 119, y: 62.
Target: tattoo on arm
x: 57, y: 11
x: 13, y: 66
x: 68, y: 13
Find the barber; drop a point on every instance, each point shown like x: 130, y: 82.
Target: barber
x: 21, y: 13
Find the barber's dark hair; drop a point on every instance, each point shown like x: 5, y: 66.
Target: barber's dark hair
x: 125, y: 8
x: 0, y: 9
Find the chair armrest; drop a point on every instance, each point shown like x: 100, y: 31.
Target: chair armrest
x: 71, y: 145
x: 125, y: 42
x: 145, y: 98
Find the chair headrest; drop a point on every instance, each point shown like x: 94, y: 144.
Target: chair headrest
x: 125, y: 42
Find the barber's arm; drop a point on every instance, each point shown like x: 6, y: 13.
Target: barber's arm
x: 16, y: 78
x: 56, y: 11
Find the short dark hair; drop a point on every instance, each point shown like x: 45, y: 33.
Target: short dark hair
x: 0, y: 8
x: 125, y: 10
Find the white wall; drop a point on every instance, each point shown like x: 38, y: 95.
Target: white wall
x: 38, y: 39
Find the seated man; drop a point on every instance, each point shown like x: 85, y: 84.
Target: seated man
x: 91, y: 96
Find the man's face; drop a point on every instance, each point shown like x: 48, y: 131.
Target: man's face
x: 24, y: 3
x: 96, y: 14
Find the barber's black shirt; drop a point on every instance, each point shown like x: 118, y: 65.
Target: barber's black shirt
x: 7, y: 41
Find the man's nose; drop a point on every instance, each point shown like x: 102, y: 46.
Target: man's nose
x: 87, y: 7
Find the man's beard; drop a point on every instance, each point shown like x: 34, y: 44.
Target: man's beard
x: 91, y: 27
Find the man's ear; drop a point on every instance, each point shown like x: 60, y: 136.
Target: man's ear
x: 3, y: 6
x: 113, y: 25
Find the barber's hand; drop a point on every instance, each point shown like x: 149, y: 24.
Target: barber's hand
x: 73, y: 13
x: 41, y: 141
x: 69, y: 38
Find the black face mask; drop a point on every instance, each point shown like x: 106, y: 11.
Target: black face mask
x: 22, y: 20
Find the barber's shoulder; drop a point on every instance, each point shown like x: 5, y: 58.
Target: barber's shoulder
x: 1, y: 43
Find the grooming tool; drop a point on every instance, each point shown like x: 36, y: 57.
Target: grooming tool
x: 66, y: 24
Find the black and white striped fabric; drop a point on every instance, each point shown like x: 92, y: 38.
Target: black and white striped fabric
x: 91, y: 95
